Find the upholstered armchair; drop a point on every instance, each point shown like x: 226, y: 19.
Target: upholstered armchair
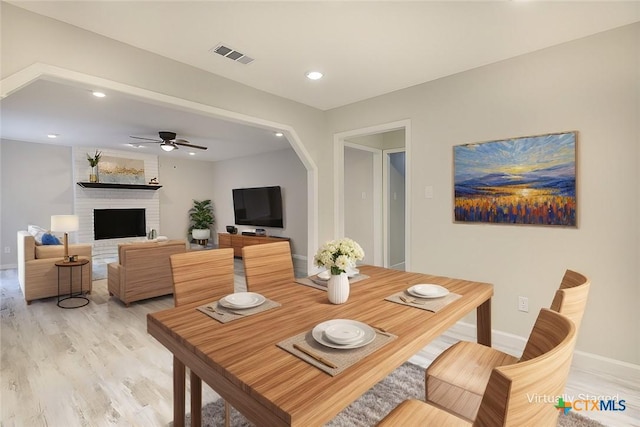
x: 37, y: 272
x: 143, y: 270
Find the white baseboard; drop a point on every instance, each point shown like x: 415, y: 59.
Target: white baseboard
x: 8, y: 266
x: 589, y: 362
x: 601, y: 365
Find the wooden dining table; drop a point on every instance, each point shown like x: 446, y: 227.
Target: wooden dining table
x: 241, y: 361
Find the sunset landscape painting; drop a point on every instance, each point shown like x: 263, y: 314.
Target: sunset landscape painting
x: 527, y: 180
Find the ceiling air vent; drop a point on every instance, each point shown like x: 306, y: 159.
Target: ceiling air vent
x: 232, y: 54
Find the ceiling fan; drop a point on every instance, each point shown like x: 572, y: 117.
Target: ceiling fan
x: 168, y: 141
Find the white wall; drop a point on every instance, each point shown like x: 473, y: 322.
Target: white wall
x: 283, y: 168
x: 37, y: 182
x: 590, y: 85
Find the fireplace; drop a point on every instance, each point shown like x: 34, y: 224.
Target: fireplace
x: 118, y: 223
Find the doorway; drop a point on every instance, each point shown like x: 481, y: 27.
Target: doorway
x: 371, y: 170
x: 394, y: 202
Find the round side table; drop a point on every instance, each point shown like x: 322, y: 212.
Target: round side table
x: 71, y: 296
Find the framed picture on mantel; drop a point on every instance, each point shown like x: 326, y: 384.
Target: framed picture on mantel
x: 527, y: 180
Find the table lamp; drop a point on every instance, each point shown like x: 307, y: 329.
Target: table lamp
x: 65, y: 223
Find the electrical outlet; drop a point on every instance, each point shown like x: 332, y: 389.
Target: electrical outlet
x: 7, y: 250
x: 523, y: 304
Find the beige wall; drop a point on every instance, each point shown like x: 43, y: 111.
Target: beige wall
x: 590, y: 85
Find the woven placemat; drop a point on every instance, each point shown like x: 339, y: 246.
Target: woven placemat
x: 318, y: 283
x: 429, y: 304
x: 225, y: 315
x: 342, y: 359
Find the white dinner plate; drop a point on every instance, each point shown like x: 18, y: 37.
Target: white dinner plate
x: 242, y: 300
x: 318, y: 333
x: 425, y: 290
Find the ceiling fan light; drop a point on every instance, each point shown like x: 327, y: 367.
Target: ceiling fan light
x: 167, y: 147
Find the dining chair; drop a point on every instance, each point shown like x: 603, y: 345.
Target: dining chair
x: 457, y: 378
x: 507, y: 400
x: 267, y: 265
x: 571, y: 298
x: 199, y: 277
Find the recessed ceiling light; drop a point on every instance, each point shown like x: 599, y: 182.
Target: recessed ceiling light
x: 52, y: 135
x: 279, y: 134
x: 314, y: 75
x: 192, y: 154
x: 98, y: 94
x: 135, y: 145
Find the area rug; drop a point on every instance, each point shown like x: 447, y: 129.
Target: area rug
x: 404, y: 383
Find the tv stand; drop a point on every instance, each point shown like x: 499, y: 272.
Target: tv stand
x: 238, y: 241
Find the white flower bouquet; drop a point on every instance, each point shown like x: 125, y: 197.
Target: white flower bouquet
x: 339, y: 255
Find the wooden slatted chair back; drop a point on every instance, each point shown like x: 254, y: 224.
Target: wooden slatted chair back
x: 510, y: 396
x: 201, y: 276
x: 267, y: 265
x: 571, y: 297
x: 570, y: 300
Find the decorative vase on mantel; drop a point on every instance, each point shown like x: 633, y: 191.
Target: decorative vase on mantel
x: 338, y: 288
x: 93, y: 162
x: 93, y: 176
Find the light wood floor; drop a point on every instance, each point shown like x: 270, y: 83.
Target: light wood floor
x: 97, y: 366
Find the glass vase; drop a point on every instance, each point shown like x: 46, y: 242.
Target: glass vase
x: 94, y: 176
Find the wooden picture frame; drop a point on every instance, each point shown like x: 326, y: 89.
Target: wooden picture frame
x: 527, y: 180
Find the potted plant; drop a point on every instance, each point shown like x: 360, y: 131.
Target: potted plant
x: 93, y: 162
x: 201, y: 217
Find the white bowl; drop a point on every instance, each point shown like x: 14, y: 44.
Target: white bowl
x: 324, y: 275
x: 344, y: 333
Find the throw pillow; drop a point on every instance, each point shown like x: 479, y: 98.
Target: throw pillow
x: 37, y: 233
x: 50, y: 239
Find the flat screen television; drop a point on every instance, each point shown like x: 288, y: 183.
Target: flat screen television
x: 260, y: 206
x: 117, y: 223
